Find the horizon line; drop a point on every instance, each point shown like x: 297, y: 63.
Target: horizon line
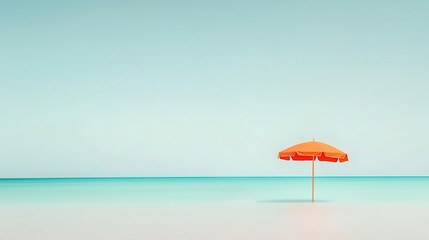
x: 160, y: 177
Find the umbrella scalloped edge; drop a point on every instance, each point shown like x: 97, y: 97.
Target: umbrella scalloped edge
x: 308, y: 156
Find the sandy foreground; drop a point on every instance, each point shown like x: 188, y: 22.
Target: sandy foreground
x: 206, y: 220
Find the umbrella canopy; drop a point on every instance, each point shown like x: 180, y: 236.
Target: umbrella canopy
x: 310, y: 151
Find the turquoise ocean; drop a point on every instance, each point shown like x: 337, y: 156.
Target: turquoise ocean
x: 212, y: 208
x: 215, y: 189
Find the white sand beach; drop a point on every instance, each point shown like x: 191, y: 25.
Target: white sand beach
x: 200, y: 221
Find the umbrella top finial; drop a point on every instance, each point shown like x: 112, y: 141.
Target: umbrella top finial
x: 313, y: 139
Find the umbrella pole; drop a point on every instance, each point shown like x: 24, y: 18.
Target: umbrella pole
x: 312, y: 180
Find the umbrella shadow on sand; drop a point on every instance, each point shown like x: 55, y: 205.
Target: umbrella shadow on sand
x: 291, y: 201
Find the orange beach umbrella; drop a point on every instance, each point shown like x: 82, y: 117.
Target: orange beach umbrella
x: 310, y: 151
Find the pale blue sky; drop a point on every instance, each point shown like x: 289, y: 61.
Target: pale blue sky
x: 211, y: 88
